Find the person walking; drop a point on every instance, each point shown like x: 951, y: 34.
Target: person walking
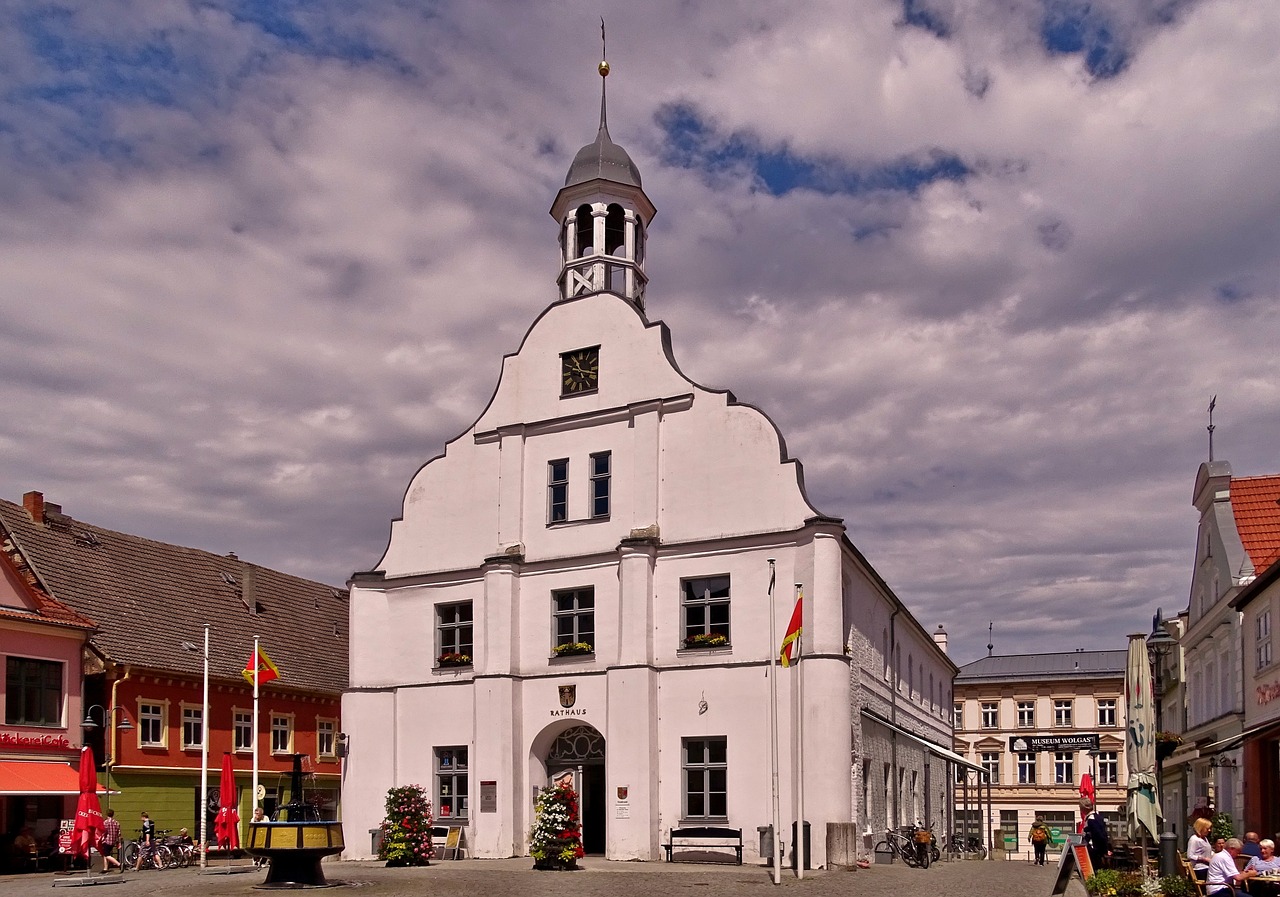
x: 147, y: 842
x: 1096, y: 839
x: 110, y: 842
x: 1040, y: 838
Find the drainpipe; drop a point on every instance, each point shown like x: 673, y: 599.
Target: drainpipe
x: 893, y: 715
x: 111, y: 716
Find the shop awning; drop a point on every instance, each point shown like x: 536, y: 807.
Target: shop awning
x: 25, y: 777
x: 935, y: 749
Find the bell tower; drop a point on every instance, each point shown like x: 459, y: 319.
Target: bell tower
x: 604, y: 219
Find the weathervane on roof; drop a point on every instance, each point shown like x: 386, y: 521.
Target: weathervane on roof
x: 990, y: 637
x: 1212, y: 402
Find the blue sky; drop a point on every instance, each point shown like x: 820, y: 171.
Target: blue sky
x: 984, y: 266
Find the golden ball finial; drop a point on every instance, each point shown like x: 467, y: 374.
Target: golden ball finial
x: 604, y: 69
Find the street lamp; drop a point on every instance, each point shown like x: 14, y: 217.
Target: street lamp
x: 1160, y: 644
x: 108, y: 716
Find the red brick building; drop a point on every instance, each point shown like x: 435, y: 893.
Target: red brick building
x: 144, y: 664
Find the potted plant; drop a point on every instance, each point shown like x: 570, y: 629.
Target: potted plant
x: 570, y: 649
x: 706, y: 640
x: 406, y: 831
x: 454, y: 659
x: 555, y: 841
x: 1166, y: 744
x: 1112, y: 883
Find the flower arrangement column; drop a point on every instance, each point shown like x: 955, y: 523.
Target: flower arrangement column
x: 406, y: 832
x: 556, y: 840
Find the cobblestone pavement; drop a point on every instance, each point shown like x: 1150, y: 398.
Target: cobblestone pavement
x: 598, y: 878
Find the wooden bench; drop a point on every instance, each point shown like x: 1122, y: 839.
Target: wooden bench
x: 706, y: 836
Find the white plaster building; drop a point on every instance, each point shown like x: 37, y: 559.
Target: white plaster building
x: 603, y: 499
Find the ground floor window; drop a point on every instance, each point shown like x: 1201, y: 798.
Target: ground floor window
x: 451, y: 782
x: 706, y: 775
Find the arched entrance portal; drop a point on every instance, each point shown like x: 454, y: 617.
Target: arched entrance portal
x: 580, y: 750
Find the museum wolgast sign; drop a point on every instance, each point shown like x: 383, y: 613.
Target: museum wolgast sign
x: 1024, y: 744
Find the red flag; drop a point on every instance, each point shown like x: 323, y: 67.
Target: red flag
x: 266, y: 669
x: 88, y: 825
x: 791, y: 641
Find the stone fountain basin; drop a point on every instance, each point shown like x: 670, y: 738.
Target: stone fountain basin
x: 294, y: 850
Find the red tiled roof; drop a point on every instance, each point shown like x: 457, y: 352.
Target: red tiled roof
x: 1255, y: 501
x: 46, y: 608
x: 151, y: 598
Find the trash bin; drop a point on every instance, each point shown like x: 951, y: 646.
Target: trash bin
x: 808, y: 844
x: 375, y: 840
x: 766, y: 843
x: 884, y: 854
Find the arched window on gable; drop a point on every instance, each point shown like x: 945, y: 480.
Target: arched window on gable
x: 615, y: 230
x: 584, y: 232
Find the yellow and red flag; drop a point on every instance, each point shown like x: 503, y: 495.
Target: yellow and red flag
x: 791, y: 641
x: 266, y: 670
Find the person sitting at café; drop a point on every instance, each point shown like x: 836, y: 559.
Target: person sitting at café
x: 1224, y: 878
x: 1267, y: 863
x: 1251, y: 848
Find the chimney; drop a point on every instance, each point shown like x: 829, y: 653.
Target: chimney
x: 940, y: 638
x: 34, y: 503
x: 249, y: 592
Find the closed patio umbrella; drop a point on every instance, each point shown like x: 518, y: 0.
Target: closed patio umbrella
x: 1140, y: 742
x: 88, y: 826
x: 226, y: 827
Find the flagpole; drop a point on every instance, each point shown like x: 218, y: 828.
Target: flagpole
x: 773, y: 732
x: 801, y: 842
x: 204, y: 760
x: 256, y: 667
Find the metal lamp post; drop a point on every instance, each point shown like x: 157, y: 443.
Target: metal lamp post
x: 1160, y: 644
x: 108, y: 752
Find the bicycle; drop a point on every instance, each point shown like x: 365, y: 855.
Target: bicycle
x: 902, y: 845
x: 157, y: 855
x: 956, y: 843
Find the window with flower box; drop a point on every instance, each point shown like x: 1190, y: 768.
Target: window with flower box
x: 574, y: 618
x: 453, y: 634
x: 705, y: 606
x: 451, y: 782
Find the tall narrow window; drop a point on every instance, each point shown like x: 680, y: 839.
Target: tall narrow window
x: 1064, y: 768
x: 706, y: 777
x: 242, y: 726
x: 706, y: 611
x: 601, y: 463
x: 1062, y: 713
x: 1108, y: 768
x: 282, y: 733
x: 451, y: 782
x: 325, y: 741
x: 1262, y: 641
x: 1026, y: 769
x: 33, y: 692
x: 453, y: 630
x: 957, y: 715
x: 991, y: 763
x: 1026, y: 714
x: 1106, y: 712
x: 575, y: 617
x: 192, y: 727
x: 558, y: 490
x: 151, y: 724
x: 584, y: 231
x: 990, y: 715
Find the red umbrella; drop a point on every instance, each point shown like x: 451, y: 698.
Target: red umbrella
x: 88, y: 827
x: 226, y: 826
x: 1086, y: 794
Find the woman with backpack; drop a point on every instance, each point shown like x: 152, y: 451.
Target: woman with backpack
x: 1040, y: 838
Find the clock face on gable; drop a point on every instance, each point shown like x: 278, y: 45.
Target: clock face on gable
x: 580, y: 371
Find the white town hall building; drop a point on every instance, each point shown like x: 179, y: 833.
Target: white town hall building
x: 606, y: 502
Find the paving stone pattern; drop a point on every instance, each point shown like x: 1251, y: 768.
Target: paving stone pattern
x: 598, y: 878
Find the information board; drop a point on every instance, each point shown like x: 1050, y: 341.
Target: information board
x: 453, y: 844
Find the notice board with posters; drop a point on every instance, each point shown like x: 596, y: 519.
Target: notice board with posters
x: 453, y: 844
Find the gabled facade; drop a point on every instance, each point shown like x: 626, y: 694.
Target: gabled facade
x: 41, y: 646
x: 1031, y: 721
x: 145, y: 663
x: 580, y: 585
x: 1239, y: 535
